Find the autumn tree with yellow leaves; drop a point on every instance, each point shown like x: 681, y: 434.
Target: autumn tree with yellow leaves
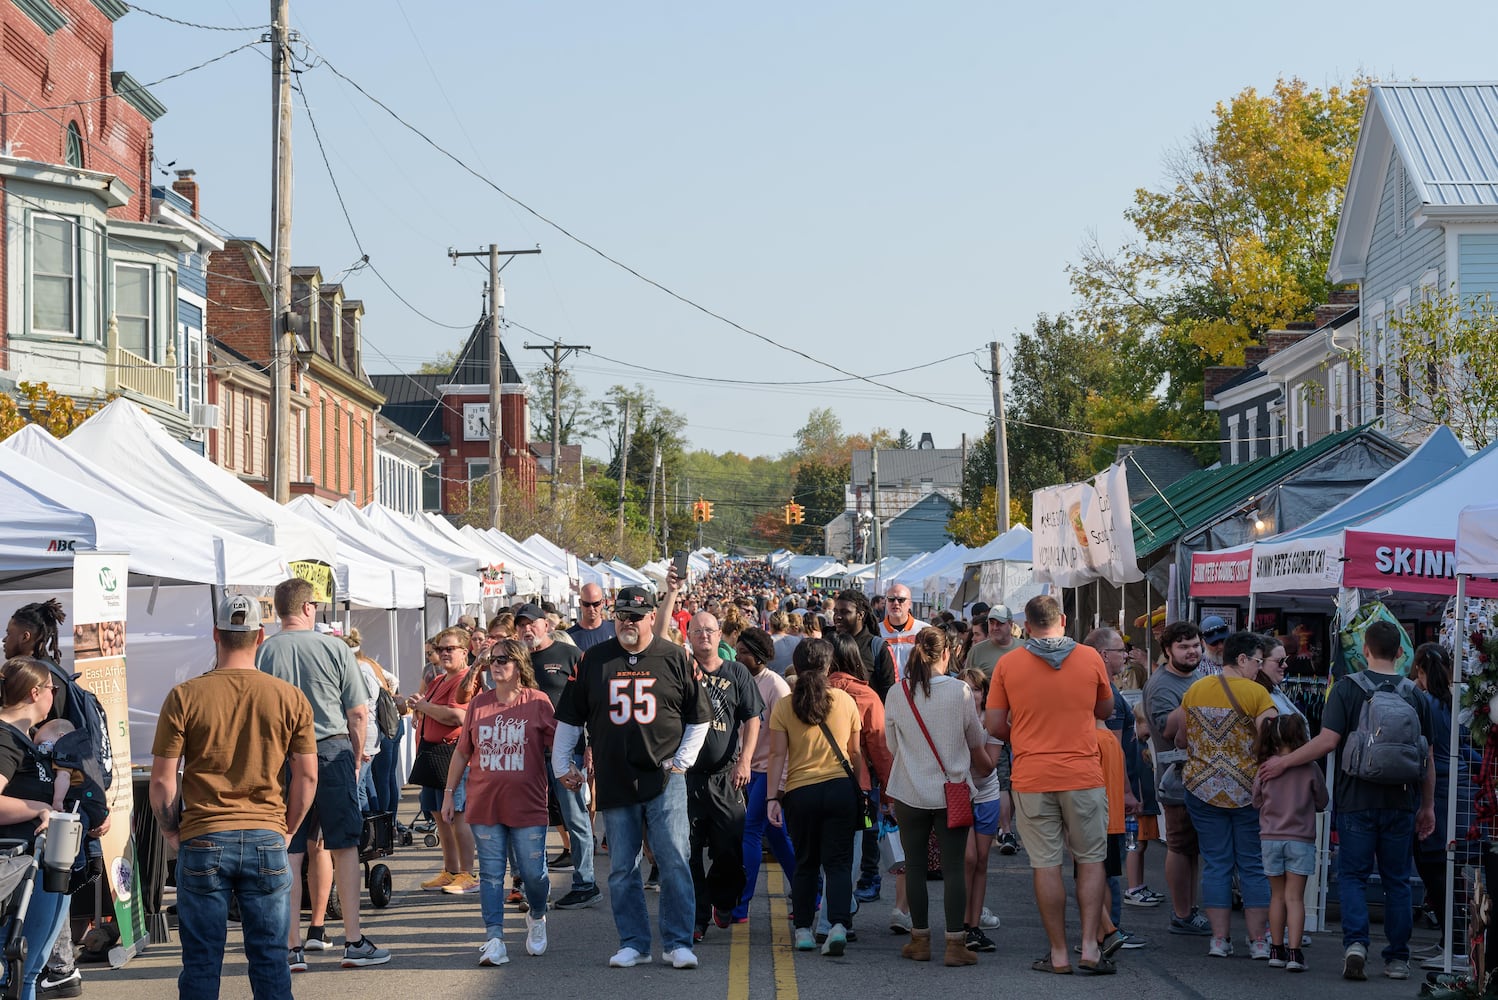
x: 38, y: 403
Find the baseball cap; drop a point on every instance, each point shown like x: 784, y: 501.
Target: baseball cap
x: 528, y: 611
x: 246, y: 608
x: 468, y: 621
x: 1000, y: 613
x: 633, y: 602
x: 1214, y: 629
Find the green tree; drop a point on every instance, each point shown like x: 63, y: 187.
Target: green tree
x: 1440, y: 366
x: 1236, y: 243
x: 580, y: 416
x: 821, y: 489
x: 904, y: 441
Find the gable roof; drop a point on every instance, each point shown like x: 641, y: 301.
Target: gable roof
x: 1446, y: 136
x: 472, y: 366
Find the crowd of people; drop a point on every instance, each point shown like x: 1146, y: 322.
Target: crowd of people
x: 679, y: 735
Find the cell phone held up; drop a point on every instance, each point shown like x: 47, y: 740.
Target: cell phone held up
x: 679, y: 563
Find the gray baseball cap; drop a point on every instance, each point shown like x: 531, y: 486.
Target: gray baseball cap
x: 241, y: 606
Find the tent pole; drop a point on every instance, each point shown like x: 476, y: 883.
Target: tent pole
x: 1097, y: 603
x: 1457, y: 673
x: 1253, y: 609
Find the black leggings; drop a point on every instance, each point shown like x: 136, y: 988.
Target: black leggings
x: 916, y: 826
x: 821, y: 819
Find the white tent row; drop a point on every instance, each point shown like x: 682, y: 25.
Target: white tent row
x: 371, y: 573
x: 122, y: 441
x: 867, y: 576
x: 912, y: 574
x: 1003, y: 570
x: 462, y: 566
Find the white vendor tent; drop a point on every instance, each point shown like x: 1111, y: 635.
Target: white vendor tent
x: 1477, y: 540
x: 1001, y: 572
x: 240, y: 560
x: 126, y: 443
x: 367, y: 577
x: 416, y: 537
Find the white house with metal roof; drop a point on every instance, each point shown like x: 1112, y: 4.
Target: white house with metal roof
x: 1419, y: 219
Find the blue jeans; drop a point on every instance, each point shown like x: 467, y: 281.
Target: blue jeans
x: 667, y: 816
x: 252, y: 866
x: 496, y: 846
x: 756, y: 829
x: 1229, y: 839
x: 1115, y: 900
x: 369, y: 799
x: 387, y: 780
x: 1387, y: 836
x: 45, y: 917
x: 579, y: 825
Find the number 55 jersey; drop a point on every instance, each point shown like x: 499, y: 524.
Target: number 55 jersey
x: 635, y: 707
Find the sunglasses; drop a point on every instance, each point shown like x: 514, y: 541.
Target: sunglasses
x: 591, y: 604
x: 497, y: 660
x: 450, y: 649
x: 629, y: 617
x: 897, y: 600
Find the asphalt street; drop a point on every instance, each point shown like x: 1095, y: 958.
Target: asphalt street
x: 434, y: 939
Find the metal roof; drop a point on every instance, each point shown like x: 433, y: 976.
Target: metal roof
x: 1204, y: 497
x: 943, y: 466
x: 472, y: 366
x: 1447, y: 135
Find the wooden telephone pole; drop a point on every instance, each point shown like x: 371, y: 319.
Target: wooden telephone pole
x: 559, y: 352
x: 496, y: 373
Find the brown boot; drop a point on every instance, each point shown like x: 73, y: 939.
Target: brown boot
x: 957, y: 953
x: 918, y: 948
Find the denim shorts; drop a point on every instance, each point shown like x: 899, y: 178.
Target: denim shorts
x: 1294, y: 856
x: 986, y: 818
x: 431, y: 798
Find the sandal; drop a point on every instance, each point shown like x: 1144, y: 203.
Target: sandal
x: 1102, y: 967
x: 1043, y: 964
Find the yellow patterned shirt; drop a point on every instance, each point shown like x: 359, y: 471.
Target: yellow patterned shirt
x: 1220, y: 765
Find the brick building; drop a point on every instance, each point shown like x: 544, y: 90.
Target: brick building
x: 90, y: 270
x: 333, y: 405
x: 450, y: 414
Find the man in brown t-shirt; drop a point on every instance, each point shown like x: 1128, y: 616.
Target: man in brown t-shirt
x: 235, y: 728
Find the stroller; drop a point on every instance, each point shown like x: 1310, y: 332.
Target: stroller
x: 18, y: 871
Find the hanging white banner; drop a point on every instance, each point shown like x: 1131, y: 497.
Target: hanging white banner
x: 1110, y: 532
x: 1062, y: 543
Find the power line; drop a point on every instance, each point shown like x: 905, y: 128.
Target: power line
x: 194, y: 24
x: 38, y: 109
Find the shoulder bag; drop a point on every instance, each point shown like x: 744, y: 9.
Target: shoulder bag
x: 959, y: 797
x: 863, y: 806
x: 433, y: 758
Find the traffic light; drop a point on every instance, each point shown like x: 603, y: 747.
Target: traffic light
x: 707, y: 510
x: 702, y: 510
x: 794, y: 513
x: 787, y: 510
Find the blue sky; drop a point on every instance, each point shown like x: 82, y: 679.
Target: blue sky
x: 876, y: 185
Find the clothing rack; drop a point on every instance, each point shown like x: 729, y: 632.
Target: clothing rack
x: 1309, y: 695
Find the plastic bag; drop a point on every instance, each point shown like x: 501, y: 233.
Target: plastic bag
x: 1350, y: 638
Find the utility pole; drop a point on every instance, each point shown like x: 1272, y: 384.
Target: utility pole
x: 1000, y: 442
x: 655, y: 463
x: 665, y: 512
x: 282, y: 339
x: 623, y: 469
x: 496, y: 373
x: 874, y: 514
x: 559, y: 351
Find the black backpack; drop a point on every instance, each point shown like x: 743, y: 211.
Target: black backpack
x: 387, y: 716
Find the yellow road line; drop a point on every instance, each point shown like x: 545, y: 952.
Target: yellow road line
x: 738, y: 963
x: 780, y: 936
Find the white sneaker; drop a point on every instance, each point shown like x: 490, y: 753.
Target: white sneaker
x: 1220, y: 948
x: 493, y: 953
x: 1258, y: 949
x: 989, y: 920
x: 899, y: 921
x: 681, y: 958
x: 535, y: 935
x: 628, y: 958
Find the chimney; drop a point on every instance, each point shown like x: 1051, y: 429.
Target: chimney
x: 187, y: 188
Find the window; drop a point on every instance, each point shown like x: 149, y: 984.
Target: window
x: 227, y: 436
x: 322, y: 447
x: 54, y: 274
x: 1340, y: 407
x: 431, y: 488
x: 132, y: 309
x: 1256, y: 449
x: 337, y: 484
x: 74, y: 153
x: 249, y: 434
x: 478, y: 470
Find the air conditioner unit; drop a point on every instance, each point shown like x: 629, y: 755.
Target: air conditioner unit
x: 205, y: 415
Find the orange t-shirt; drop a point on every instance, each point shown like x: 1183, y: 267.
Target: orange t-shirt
x: 1051, y: 718
x: 1111, y: 752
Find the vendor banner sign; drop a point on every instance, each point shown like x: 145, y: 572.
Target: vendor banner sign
x: 1406, y: 563
x: 99, y: 604
x: 1110, y: 533
x: 1304, y: 564
x: 1221, y: 574
x: 1061, y: 540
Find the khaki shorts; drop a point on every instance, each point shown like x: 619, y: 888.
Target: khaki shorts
x: 1180, y: 832
x: 1079, y: 819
